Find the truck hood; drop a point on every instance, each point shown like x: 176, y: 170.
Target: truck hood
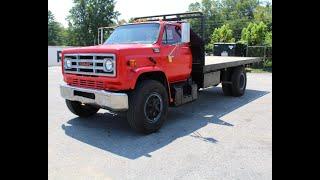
x: 113, y: 48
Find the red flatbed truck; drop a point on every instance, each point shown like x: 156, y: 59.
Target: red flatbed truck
x: 145, y: 67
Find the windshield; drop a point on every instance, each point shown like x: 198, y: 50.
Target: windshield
x: 134, y: 33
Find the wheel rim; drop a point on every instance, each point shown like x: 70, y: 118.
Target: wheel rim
x: 153, y: 107
x: 242, y: 81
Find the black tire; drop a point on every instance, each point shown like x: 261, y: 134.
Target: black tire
x: 239, y: 81
x: 227, y: 89
x: 82, y: 110
x: 141, y: 108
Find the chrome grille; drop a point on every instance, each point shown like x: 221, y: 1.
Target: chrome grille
x: 89, y: 64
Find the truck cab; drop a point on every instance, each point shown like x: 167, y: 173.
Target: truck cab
x: 131, y: 50
x: 141, y: 70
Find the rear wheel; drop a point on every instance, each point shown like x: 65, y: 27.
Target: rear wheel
x: 227, y: 89
x: 82, y: 110
x: 236, y: 82
x: 226, y: 84
x: 148, y: 106
x: 239, y: 81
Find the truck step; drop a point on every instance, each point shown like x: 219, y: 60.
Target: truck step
x: 185, y: 93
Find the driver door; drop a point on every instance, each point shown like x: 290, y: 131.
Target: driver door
x: 178, y: 68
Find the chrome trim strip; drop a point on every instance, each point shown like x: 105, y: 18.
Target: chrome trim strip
x: 90, y: 54
x: 105, y: 99
x: 87, y: 73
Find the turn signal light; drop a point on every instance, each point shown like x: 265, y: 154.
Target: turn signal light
x: 132, y: 63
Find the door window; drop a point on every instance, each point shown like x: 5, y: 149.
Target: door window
x: 171, y: 35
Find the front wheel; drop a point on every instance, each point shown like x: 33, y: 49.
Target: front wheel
x: 148, y: 106
x: 82, y: 110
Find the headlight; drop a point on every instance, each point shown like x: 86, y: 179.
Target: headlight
x: 108, y: 65
x: 68, y: 63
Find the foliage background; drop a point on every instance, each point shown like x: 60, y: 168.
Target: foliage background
x: 244, y: 21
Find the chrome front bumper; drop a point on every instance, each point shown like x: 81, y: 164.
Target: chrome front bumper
x: 104, y: 99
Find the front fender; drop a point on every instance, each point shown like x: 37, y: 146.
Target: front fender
x: 135, y: 74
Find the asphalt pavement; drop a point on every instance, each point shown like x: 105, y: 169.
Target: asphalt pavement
x: 215, y: 137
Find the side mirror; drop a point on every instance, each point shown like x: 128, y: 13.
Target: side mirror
x: 185, y: 32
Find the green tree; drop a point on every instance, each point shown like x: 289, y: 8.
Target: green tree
x: 222, y: 34
x: 254, y: 34
x: 264, y: 14
x: 55, y: 31
x: 70, y: 36
x: 211, y: 11
x: 268, y: 39
x: 87, y: 16
x: 131, y: 20
x: 238, y: 14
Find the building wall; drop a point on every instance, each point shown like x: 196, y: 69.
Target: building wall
x: 52, y: 55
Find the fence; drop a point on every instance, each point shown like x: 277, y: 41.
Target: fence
x: 259, y: 51
x: 264, y: 52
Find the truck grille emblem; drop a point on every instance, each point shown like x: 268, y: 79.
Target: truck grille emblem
x: 85, y: 63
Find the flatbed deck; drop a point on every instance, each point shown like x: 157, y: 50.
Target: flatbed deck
x: 213, y: 63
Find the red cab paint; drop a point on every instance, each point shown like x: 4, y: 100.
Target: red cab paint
x: 179, y: 69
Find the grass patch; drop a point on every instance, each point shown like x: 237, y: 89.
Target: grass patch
x: 259, y: 70
x: 265, y: 67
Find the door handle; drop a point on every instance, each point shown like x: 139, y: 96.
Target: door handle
x: 170, y: 58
